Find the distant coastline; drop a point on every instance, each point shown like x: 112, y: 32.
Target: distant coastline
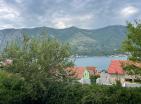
x: 115, y: 55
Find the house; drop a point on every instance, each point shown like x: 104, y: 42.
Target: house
x: 117, y: 73
x: 82, y: 74
x: 114, y: 73
x: 104, y: 79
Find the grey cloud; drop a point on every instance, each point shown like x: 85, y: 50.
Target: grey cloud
x: 80, y: 13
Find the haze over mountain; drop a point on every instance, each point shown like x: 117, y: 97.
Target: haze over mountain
x: 101, y: 41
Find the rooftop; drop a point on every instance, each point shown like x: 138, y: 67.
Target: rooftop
x: 78, y: 71
x: 116, y: 67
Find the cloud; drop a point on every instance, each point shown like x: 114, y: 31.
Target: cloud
x: 68, y: 20
x: 19, y: 1
x: 79, y: 3
x: 7, y: 12
x: 65, y: 13
x: 3, y: 26
x: 9, y: 17
x: 129, y: 11
x: 60, y: 24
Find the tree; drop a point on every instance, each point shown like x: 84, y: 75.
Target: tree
x: 132, y: 44
x: 38, y: 61
x: 46, y: 56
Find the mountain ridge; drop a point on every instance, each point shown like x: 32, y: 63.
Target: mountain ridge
x: 103, y: 41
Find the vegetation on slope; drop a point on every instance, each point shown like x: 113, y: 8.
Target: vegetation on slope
x: 104, y: 41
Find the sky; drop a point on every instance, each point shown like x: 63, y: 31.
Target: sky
x: 86, y: 14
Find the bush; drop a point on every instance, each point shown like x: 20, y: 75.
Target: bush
x: 13, y: 89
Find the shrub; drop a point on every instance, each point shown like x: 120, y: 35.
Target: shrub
x: 13, y: 89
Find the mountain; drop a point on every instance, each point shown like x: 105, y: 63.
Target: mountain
x: 103, y: 41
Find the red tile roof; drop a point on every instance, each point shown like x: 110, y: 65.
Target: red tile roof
x: 78, y: 71
x: 92, y: 70
x: 116, y: 67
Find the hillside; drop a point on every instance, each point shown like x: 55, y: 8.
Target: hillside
x: 103, y: 41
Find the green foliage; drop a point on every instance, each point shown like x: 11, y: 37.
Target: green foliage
x: 13, y: 89
x: 93, y: 78
x: 111, y: 95
x: 37, y: 76
x: 118, y: 83
x: 132, y: 44
x: 38, y: 58
x: 38, y: 61
x: 64, y: 93
x: 132, y: 70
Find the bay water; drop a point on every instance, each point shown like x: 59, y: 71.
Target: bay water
x: 100, y: 62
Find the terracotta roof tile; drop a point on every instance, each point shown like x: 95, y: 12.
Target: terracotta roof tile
x: 116, y: 67
x: 78, y: 71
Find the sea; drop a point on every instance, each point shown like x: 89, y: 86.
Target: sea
x: 100, y: 62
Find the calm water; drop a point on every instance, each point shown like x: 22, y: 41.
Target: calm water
x: 101, y: 62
